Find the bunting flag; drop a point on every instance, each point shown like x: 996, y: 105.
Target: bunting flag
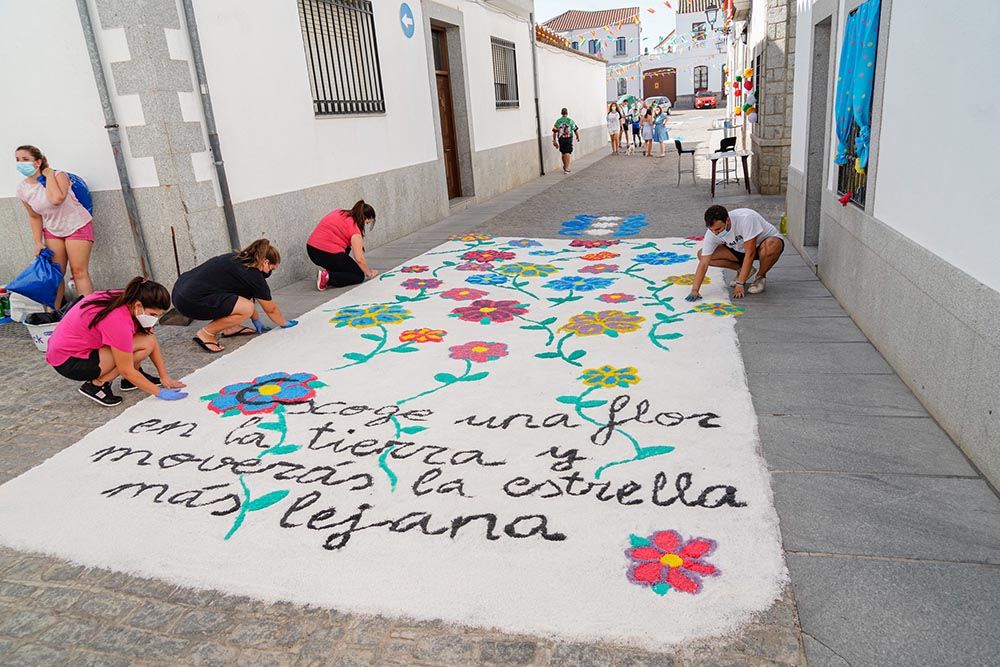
x: 667, y: 4
x: 650, y: 10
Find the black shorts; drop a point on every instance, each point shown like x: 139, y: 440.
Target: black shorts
x: 209, y: 307
x: 81, y: 370
x: 565, y: 145
x: 740, y: 256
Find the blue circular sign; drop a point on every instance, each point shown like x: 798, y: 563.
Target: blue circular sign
x: 406, y: 21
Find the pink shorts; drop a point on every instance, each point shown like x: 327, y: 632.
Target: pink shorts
x: 85, y: 233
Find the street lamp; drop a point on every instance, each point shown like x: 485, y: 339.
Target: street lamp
x: 712, y: 14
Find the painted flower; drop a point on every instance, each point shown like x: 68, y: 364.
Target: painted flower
x: 415, y: 268
x: 685, y: 279
x: 263, y: 394
x: 528, y: 270
x: 363, y: 317
x: 720, y: 309
x: 421, y: 283
x: 487, y: 255
x: 470, y: 237
x: 479, y: 351
x: 578, y: 283
x: 664, y: 560
x: 598, y: 256
x: 695, y: 238
x: 607, y: 322
x: 422, y: 335
x: 599, y: 268
x: 486, y: 311
x: 609, y: 376
x: 661, y: 258
x: 524, y: 243
x: 616, y: 297
x: 474, y: 266
x: 544, y: 253
x: 592, y: 243
x: 486, y: 279
x: 463, y: 294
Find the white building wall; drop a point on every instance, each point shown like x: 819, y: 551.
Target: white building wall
x: 632, y: 32
x: 801, y: 85
x: 574, y: 82
x: 685, y: 59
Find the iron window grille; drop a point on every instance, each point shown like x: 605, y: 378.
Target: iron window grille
x: 622, y: 87
x: 620, y: 46
x: 342, y: 56
x: 700, y: 78
x: 576, y: 46
x: 594, y: 46
x: 848, y: 178
x: 505, y: 73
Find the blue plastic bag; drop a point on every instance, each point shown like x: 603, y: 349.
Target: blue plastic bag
x: 40, y: 281
x: 79, y: 188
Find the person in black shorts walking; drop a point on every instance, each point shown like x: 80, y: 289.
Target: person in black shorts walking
x: 562, y: 137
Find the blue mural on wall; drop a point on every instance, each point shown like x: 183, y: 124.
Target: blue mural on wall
x: 615, y: 226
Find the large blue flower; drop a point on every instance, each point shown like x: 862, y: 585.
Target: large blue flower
x: 263, y: 394
x: 544, y: 253
x: 486, y: 279
x: 363, y: 317
x: 524, y: 243
x: 661, y: 258
x: 578, y: 283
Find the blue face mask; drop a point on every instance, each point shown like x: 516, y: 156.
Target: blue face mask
x: 26, y: 168
x: 723, y: 234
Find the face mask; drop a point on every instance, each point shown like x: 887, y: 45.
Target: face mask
x: 147, y: 321
x: 267, y: 274
x: 26, y: 168
x: 723, y: 234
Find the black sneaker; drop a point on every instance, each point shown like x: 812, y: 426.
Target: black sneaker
x: 100, y: 394
x: 128, y: 386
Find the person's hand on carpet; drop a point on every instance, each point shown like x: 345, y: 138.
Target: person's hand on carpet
x: 289, y: 324
x: 259, y: 326
x: 170, y: 383
x: 371, y: 273
x: 692, y: 297
x: 738, y: 291
x: 171, y: 394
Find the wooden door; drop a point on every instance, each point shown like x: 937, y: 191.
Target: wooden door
x: 660, y: 81
x: 447, y: 112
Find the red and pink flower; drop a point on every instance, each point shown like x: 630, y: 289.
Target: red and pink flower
x: 599, y: 268
x: 421, y: 283
x: 464, y: 294
x: 415, y: 268
x: 474, y: 266
x: 664, y: 560
x: 484, y: 256
x: 616, y: 297
x: 479, y: 351
x: 598, y: 256
x: 695, y: 238
x: 486, y: 311
x: 593, y: 243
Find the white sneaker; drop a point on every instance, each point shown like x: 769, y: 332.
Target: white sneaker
x: 757, y: 287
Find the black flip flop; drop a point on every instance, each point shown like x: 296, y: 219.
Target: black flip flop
x: 244, y: 331
x: 205, y: 345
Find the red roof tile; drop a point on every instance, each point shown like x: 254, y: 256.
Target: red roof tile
x: 578, y: 20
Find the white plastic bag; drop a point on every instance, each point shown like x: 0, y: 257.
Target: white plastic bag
x: 21, y: 306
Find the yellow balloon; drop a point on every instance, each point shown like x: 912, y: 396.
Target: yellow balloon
x: 737, y: 111
x: 748, y: 72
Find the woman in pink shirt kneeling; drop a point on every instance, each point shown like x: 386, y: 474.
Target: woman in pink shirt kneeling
x: 338, y: 236
x: 107, y: 335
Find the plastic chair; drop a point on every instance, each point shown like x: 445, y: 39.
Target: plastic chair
x: 728, y: 145
x: 681, y: 151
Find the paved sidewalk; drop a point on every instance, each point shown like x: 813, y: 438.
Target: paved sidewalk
x: 893, y: 540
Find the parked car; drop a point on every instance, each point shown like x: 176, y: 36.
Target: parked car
x: 704, y: 99
x: 660, y: 101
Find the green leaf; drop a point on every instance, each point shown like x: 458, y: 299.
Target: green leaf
x: 231, y: 412
x: 557, y: 299
x: 209, y: 397
x: 266, y: 500
x: 649, y: 452
x: 445, y: 378
x: 547, y: 355
x: 475, y: 377
x: 637, y: 541
x: 591, y: 404
x: 412, y: 429
x: 532, y: 327
x: 282, y: 449
x: 660, y: 588
x: 548, y: 320
x: 354, y: 356
x: 570, y: 400
x: 401, y: 298
x: 404, y: 348
x: 371, y: 336
x: 448, y: 263
x: 572, y: 298
x: 317, y: 384
x: 576, y: 354
x: 611, y: 333
x: 271, y: 426
x: 669, y: 336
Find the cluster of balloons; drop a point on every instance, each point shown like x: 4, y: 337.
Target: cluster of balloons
x: 744, y: 84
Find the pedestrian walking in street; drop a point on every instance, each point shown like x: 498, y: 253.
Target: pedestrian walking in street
x: 58, y: 220
x: 337, y: 246
x: 615, y: 127
x: 108, y: 335
x: 647, y: 133
x: 733, y: 240
x: 660, y: 134
x: 636, y: 127
x: 226, y: 290
x: 563, y: 132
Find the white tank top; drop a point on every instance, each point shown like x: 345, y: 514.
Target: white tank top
x: 61, y: 220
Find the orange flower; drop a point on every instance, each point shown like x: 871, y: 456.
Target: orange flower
x: 422, y: 335
x: 599, y: 256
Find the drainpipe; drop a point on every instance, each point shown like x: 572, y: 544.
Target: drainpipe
x: 538, y: 113
x: 213, y: 135
x: 115, y: 138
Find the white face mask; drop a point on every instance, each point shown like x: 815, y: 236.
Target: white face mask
x: 147, y: 321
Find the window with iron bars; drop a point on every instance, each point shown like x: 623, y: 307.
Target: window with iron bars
x: 620, y: 46
x: 848, y: 178
x: 505, y: 73
x: 341, y: 56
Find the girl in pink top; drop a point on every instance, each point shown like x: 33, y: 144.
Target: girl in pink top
x: 58, y: 220
x: 107, y: 335
x: 338, y: 236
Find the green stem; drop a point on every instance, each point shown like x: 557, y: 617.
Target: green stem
x: 243, y: 510
x: 468, y: 370
x: 561, y: 300
x: 514, y: 285
x: 635, y: 443
x: 629, y: 272
x: 368, y: 357
x: 470, y: 245
x: 562, y: 355
x: 548, y: 329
